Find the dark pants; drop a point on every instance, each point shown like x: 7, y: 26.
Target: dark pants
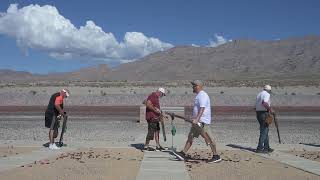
x: 264, y: 130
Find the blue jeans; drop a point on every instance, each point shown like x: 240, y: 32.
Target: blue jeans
x: 264, y: 130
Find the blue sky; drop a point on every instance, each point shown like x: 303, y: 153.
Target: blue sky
x: 122, y: 31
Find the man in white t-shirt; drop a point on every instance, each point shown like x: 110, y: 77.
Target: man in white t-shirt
x: 201, y: 120
x: 263, y: 107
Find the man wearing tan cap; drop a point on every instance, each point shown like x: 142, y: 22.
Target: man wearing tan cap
x: 201, y: 115
x: 153, y: 114
x: 53, y: 114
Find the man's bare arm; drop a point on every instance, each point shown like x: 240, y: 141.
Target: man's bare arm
x: 59, y: 109
x: 151, y: 107
x: 197, y: 119
x: 266, y: 105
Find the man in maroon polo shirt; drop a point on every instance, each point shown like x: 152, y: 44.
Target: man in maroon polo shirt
x: 153, y: 114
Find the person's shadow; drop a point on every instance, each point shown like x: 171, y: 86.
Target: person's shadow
x: 138, y: 146
x: 241, y: 147
x: 311, y: 144
x: 46, y: 144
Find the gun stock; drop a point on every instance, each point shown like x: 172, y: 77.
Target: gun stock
x: 163, y: 128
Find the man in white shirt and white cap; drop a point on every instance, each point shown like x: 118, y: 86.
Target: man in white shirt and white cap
x: 263, y: 107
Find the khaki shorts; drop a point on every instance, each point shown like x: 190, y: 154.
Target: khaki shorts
x: 196, y: 130
x: 152, y: 128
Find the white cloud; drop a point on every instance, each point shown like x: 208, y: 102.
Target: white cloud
x: 219, y: 40
x: 43, y: 28
x: 195, y: 45
x: 137, y: 44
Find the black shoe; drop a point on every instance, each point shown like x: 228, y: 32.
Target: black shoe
x: 160, y: 148
x: 260, y: 151
x: 180, y: 155
x: 148, y: 149
x: 269, y: 150
x: 215, y: 159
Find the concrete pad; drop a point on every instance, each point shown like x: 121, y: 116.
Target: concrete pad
x: 162, y: 165
x: 297, y: 162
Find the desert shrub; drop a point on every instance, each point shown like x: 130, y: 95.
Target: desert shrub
x: 89, y: 90
x: 103, y: 93
x: 293, y: 94
x: 318, y: 93
x: 221, y: 92
x: 33, y: 92
x: 186, y: 92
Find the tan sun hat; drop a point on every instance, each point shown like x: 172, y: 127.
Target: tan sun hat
x: 197, y: 83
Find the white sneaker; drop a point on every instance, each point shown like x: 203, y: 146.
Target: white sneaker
x: 53, y: 147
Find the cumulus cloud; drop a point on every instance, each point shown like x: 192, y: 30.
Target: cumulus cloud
x: 219, y: 40
x: 43, y: 28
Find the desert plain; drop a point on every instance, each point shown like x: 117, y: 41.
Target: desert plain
x: 104, y: 120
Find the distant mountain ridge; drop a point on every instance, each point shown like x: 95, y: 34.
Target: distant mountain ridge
x: 86, y: 74
x: 239, y: 59
x: 294, y: 58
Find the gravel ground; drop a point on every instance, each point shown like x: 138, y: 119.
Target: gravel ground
x: 124, y: 129
x: 240, y: 165
x: 82, y: 164
x: 177, y: 96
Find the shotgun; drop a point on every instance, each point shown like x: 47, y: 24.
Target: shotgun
x: 173, y: 115
x: 277, y: 126
x: 163, y: 128
x: 63, y: 129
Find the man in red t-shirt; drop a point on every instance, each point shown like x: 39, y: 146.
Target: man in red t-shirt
x: 153, y: 113
x: 52, y: 114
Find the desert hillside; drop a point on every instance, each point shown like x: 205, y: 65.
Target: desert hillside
x: 278, y: 60
x: 297, y: 58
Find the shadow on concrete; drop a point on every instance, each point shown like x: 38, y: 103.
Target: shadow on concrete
x: 241, y: 147
x: 46, y: 144
x: 311, y: 144
x: 138, y: 146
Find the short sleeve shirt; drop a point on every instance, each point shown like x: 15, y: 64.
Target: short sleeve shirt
x: 263, y: 96
x: 151, y: 115
x: 202, y: 100
x: 59, y: 100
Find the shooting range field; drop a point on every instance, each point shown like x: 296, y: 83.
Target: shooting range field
x: 107, y: 128
x: 107, y: 119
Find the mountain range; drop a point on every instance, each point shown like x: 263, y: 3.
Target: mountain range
x: 293, y: 58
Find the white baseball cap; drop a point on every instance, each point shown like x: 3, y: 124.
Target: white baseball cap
x: 267, y: 87
x: 66, y: 91
x: 162, y: 90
